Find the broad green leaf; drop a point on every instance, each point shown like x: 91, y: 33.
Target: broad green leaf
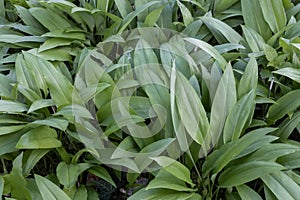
x: 289, y: 72
x: 191, y: 110
x: 81, y: 193
x: 254, y: 18
x: 270, y: 53
x: 61, y: 90
x: 168, y: 183
x: 28, y: 19
x: 41, y: 137
x: 282, y: 186
x: 41, y: 103
x: 249, y: 78
x: 5, y: 87
x: 10, y: 129
x: 175, y: 168
x: 69, y: 112
x: 143, y: 158
x: 222, y: 5
x: 247, y: 193
x: 29, y: 77
x: 65, y: 35
x: 91, y: 91
x: 58, y: 123
x: 2, y: 183
x: 221, y: 31
x: 249, y: 170
x: 49, y: 19
x: 49, y: 190
x: 238, y: 117
x: 101, y: 172
x: 12, y: 107
x: 208, y: 49
x: 163, y: 193
x: 16, y: 179
x: 284, y: 105
x: 274, y: 14
x: 186, y: 14
x: 124, y: 7
x: 67, y: 174
x: 153, y: 16
x: 287, y: 126
x: 53, y: 43
x: 32, y: 158
x: 219, y: 158
x: 165, y: 180
x: 223, y: 102
x: 8, y: 142
x: 270, y: 152
x: 126, y: 21
x: 253, y: 39
x: 290, y: 161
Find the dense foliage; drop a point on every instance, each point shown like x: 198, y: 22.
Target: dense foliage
x: 166, y: 99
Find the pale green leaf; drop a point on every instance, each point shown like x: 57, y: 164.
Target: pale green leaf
x: 247, y: 193
x: 282, y: 186
x: 49, y: 190
x: 249, y: 170
x: 67, y: 174
x: 41, y: 137
x: 284, y: 105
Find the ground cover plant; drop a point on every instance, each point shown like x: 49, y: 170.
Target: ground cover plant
x: 166, y: 99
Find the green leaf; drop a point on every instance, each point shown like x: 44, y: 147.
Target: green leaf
x: 290, y: 161
x: 220, y: 30
x: 2, y: 182
x: 249, y: 78
x: 67, y: 174
x: 8, y: 142
x: 153, y: 16
x: 58, y: 123
x: 32, y: 158
x: 282, y: 186
x: 49, y: 190
x: 223, y: 102
x: 186, y: 14
x: 61, y: 90
x: 289, y: 72
x: 272, y: 151
x: 124, y: 7
x: 219, y: 158
x: 143, y: 158
x: 5, y: 87
x: 126, y: 21
x: 41, y: 137
x: 249, y: 170
x: 247, y: 193
x: 274, y: 14
x: 53, y: 43
x: 12, y: 107
x: 40, y: 103
x: 10, y: 129
x: 222, y: 5
x: 101, y: 172
x: 163, y: 193
x: 65, y: 35
x: 253, y: 18
x: 287, y: 126
x: 284, y: 105
x: 175, y: 168
x: 16, y: 179
x: 208, y: 49
x: 237, y: 119
x: 253, y: 39
x: 191, y: 110
x: 49, y: 19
